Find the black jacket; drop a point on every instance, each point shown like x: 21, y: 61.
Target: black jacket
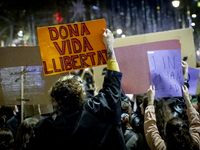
x: 96, y: 127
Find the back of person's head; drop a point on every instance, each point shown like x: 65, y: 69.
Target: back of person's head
x: 24, y: 132
x: 163, y: 115
x: 126, y: 111
x: 126, y: 107
x: 6, y: 139
x: 139, y: 101
x: 7, y: 112
x: 177, y: 106
x: 69, y: 93
x: 178, y: 136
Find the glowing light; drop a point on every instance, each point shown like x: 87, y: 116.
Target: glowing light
x: 59, y: 18
x: 119, y: 31
x: 193, y: 24
x: 122, y: 13
x: 194, y: 15
x: 20, y: 33
x: 198, y: 4
x: 198, y: 53
x: 158, y: 7
x: 95, y: 7
x: 123, y: 36
x: 176, y: 3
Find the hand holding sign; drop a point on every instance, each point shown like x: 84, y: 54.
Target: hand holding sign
x: 185, y: 92
x: 151, y: 95
x: 185, y: 70
x: 166, y: 72
x: 108, y: 40
x: 186, y: 96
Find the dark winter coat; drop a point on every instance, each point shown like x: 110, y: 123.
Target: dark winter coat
x: 96, y: 127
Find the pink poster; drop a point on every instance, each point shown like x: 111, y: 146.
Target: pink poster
x: 133, y: 63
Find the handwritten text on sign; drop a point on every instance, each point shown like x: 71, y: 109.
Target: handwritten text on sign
x: 72, y: 47
x: 166, y: 72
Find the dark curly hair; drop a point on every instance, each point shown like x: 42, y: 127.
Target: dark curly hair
x: 69, y: 93
x: 178, y: 136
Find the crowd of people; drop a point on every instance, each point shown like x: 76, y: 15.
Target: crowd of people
x: 107, y: 120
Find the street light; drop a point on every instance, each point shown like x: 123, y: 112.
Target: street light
x: 176, y: 3
x: 119, y: 31
x: 193, y: 24
x: 20, y: 33
x: 123, y: 36
x: 194, y: 15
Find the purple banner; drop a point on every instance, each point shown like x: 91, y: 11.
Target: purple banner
x: 193, y: 77
x: 166, y: 72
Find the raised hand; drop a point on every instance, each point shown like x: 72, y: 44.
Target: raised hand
x: 151, y: 95
x: 186, y: 96
x: 185, y: 92
x: 108, y: 40
x: 185, y: 70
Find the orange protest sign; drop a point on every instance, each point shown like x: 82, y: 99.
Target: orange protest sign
x: 72, y: 47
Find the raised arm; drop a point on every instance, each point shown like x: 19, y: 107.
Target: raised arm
x: 154, y: 140
x: 108, y: 40
x: 193, y: 116
x: 151, y: 95
x: 107, y: 103
x: 185, y: 71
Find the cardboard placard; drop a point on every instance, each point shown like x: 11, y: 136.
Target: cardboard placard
x: 28, y: 110
x: 46, y: 108
x: 99, y: 73
x: 135, y: 78
x: 133, y: 63
x: 72, y: 47
x: 198, y: 84
x: 193, y: 77
x: 132, y: 57
x: 184, y: 36
x: 166, y: 72
x: 36, y: 85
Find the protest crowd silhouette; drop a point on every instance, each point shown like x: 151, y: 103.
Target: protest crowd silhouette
x: 107, y: 120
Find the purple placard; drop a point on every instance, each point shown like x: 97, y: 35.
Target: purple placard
x: 166, y: 72
x: 193, y: 77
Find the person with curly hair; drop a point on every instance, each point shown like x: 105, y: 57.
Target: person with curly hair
x: 80, y: 122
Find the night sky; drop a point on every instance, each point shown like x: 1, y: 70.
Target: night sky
x: 133, y: 16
